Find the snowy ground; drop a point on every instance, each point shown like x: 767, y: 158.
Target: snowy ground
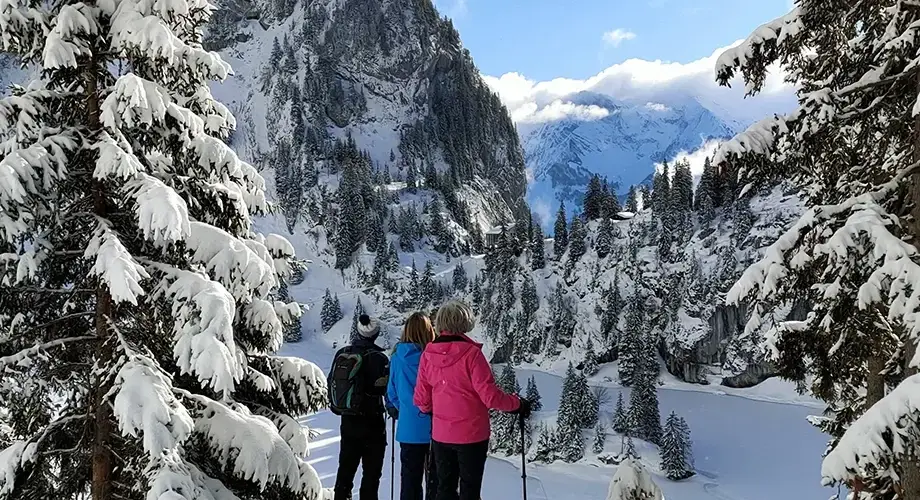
x: 745, y: 448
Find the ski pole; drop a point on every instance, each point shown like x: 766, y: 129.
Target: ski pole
x: 393, y: 459
x: 523, y: 456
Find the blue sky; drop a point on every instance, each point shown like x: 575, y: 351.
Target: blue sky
x: 545, y: 39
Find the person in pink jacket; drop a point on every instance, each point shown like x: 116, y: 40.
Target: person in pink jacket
x: 455, y: 384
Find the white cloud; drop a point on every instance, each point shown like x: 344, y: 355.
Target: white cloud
x: 657, y: 106
x: 696, y: 158
x: 557, y: 110
x: 616, y: 37
x: 639, y: 81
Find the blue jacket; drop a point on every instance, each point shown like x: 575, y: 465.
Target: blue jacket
x: 413, y: 426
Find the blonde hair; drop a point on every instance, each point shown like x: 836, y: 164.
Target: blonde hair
x: 455, y: 317
x: 418, y: 330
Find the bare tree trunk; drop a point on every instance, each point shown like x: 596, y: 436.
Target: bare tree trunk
x: 102, y: 457
x: 875, y: 383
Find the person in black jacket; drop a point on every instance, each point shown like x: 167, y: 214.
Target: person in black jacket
x: 364, y: 435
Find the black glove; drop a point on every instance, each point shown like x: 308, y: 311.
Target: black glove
x: 524, y: 409
x: 393, y: 412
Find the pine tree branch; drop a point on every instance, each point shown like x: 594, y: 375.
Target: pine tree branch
x: 26, y: 353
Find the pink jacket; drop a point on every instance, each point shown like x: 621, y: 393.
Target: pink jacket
x: 455, y: 384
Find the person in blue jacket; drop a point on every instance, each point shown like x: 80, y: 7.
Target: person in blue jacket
x: 413, y: 428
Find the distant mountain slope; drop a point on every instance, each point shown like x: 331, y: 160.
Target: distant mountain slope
x: 622, y: 146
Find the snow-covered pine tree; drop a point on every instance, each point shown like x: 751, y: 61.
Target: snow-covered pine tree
x: 560, y: 232
x: 571, y: 443
x: 137, y: 307
x: 600, y: 437
x: 407, y: 230
x: 537, y: 250
x: 460, y: 279
x: 292, y: 326
x: 703, y: 202
x: 545, y: 448
x: 610, y: 313
x: 530, y: 302
x: 353, y: 334
x: 593, y: 203
x: 630, y: 341
x: 351, y: 229
x: 610, y: 205
x: 632, y: 200
x: 633, y: 482
x: 644, y: 416
x: 428, y: 286
x: 533, y: 394
x: 411, y: 178
x: 629, y: 448
x: 674, y: 450
x: 504, y: 425
x: 588, y: 409
x: 661, y: 188
x: 851, y: 148
x: 578, y: 236
x: 620, y: 418
x: 274, y: 59
x: 569, y: 400
x: 604, y: 244
x: 381, y: 266
x: 438, y: 227
x: 393, y: 258
x: 681, y: 197
x: 590, y: 367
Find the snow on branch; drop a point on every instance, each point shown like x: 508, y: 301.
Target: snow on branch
x: 116, y: 161
x: 203, y: 311
x: 231, y: 261
x: 12, y: 458
x: 260, y: 315
x: 632, y: 481
x: 136, y: 27
x: 297, y: 436
x: 22, y: 357
x: 757, y: 139
x: 753, y: 49
x: 302, y: 381
x: 144, y: 404
x: 22, y: 169
x: 162, y: 214
x: 22, y: 27
x: 68, y: 39
x: 218, y: 120
x: 221, y: 162
x: 115, y: 266
x: 876, y: 441
x: 249, y: 444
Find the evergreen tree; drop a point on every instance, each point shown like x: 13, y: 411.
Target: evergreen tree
x: 588, y: 410
x: 545, y: 450
x: 600, y: 438
x: 590, y: 363
x: 529, y: 300
x: 644, y: 416
x: 630, y: 342
x: 381, y: 266
x: 138, y: 301
x: 610, y: 205
x: 620, y: 419
x: 477, y: 292
x: 411, y: 179
x: 393, y: 257
x: 645, y: 197
x: 353, y: 334
x: 459, y: 278
x: 351, y: 226
x: 537, y: 249
x: 276, y: 54
x: 331, y: 313
x: 438, y: 227
x: 632, y: 200
x: 428, y: 285
x: 577, y: 240
x: 704, y: 202
x: 569, y: 400
x: 604, y: 244
x: 593, y: 200
x: 610, y: 314
x: 674, y: 450
x: 533, y: 394
x: 629, y: 448
x: 560, y: 232
x: 571, y: 443
x: 407, y: 230
x: 858, y: 173
x: 681, y: 197
x: 661, y: 189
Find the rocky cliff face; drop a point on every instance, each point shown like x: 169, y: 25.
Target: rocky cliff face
x: 391, y: 75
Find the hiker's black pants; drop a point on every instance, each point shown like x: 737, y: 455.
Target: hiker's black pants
x: 417, y: 465
x: 364, y: 442
x: 460, y: 463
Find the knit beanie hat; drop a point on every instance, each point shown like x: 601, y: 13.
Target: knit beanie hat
x: 368, y: 327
